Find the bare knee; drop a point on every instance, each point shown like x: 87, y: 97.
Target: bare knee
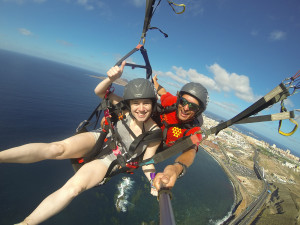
x: 55, y: 150
x: 73, y: 190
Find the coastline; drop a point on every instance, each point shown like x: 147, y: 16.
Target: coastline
x: 239, y: 196
x: 236, y: 152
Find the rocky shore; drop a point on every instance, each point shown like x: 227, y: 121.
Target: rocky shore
x: 235, y: 152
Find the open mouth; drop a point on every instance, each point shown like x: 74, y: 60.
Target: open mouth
x: 141, y: 115
x: 184, y: 114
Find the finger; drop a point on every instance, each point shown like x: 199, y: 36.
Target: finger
x: 123, y: 65
x: 112, y: 70
x: 165, y: 180
x: 108, y: 72
x: 158, y: 183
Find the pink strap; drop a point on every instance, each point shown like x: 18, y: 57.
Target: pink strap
x: 117, y: 151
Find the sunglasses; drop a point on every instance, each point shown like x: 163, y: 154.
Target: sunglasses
x: 192, y: 106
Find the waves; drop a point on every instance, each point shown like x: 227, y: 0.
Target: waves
x: 124, y: 188
x: 223, y: 220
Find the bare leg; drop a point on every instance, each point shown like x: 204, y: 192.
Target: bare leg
x: 87, y: 177
x: 73, y: 147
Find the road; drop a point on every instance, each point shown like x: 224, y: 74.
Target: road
x: 250, y: 213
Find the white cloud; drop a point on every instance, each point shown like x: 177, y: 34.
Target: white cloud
x: 277, y: 35
x: 63, y: 42
x: 289, y: 103
x: 222, y: 81
x: 137, y: 3
x: 254, y: 32
x: 195, y: 7
x: 25, y: 32
x: 229, y: 107
x: 184, y: 76
x: 228, y: 82
x: 86, y: 3
x: 171, y: 75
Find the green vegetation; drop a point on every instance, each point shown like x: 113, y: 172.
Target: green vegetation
x: 280, y: 158
x: 234, y: 160
x: 227, y: 132
x: 265, y: 151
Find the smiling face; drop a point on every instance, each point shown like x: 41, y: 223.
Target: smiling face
x: 141, y: 109
x: 187, y: 107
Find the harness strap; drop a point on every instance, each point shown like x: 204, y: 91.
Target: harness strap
x: 171, y: 3
x: 128, y: 54
x: 181, y: 145
x: 109, y: 172
x: 147, y: 65
x: 284, y: 111
x: 156, y: 28
x: 98, y: 147
x: 129, y: 130
x: 279, y: 93
x: 270, y: 117
x: 82, y: 126
x: 148, y: 17
x: 149, y: 136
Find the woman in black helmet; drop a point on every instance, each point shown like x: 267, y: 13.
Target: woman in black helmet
x: 140, y: 97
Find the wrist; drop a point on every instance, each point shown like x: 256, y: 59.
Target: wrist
x: 151, y: 184
x: 111, y: 79
x: 159, y: 87
x: 183, y: 170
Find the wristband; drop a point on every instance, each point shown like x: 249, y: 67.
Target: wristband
x: 159, y: 87
x: 152, y: 175
x: 184, y: 168
x: 151, y: 184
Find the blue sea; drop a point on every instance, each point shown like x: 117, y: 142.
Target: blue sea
x: 44, y: 101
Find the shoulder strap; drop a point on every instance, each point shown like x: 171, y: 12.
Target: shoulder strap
x: 148, y: 137
x: 181, y: 145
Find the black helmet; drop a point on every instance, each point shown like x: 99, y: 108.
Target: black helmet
x: 139, y: 88
x: 197, y: 91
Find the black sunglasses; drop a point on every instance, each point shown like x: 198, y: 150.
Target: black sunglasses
x: 192, y: 106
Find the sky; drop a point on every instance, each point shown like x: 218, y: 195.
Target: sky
x: 239, y: 50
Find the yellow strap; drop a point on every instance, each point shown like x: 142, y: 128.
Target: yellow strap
x: 180, y: 5
x: 283, y: 109
x: 142, y: 41
x: 290, y: 133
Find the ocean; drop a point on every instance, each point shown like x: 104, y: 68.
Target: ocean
x: 44, y: 101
